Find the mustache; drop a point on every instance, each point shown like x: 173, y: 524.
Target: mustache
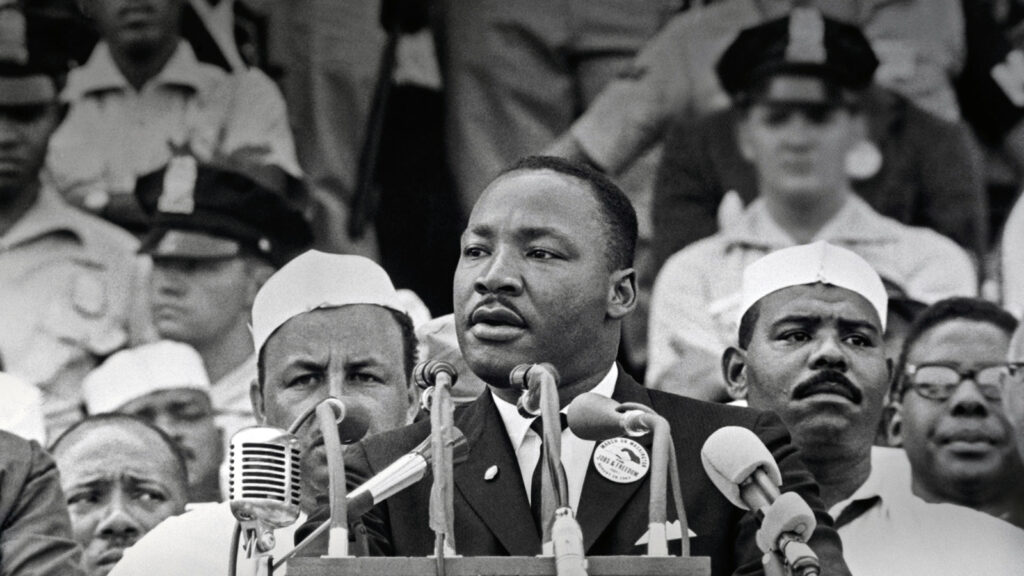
x: 495, y: 300
x: 828, y: 381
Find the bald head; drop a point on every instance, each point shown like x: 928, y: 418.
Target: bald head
x: 121, y: 477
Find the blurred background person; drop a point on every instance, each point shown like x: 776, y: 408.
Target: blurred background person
x: 143, y: 97
x: 164, y: 383
x: 218, y: 231
x: 797, y: 84
x: 121, y: 477
x: 70, y: 284
x: 947, y: 411
x: 35, y: 532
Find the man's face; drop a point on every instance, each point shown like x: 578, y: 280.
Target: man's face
x: 24, y: 135
x: 352, y: 352
x: 119, y: 482
x: 200, y: 301
x: 799, y: 150
x: 817, y: 359
x: 533, y: 283
x: 964, y: 438
x: 186, y: 415
x: 137, y: 25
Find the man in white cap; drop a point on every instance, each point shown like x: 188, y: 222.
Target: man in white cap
x: 811, y: 350
x: 165, y: 384
x: 323, y: 325
x: 797, y: 84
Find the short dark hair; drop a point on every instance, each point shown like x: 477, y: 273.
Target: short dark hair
x: 119, y: 419
x: 616, y: 209
x: 410, y: 348
x: 956, y: 308
x: 747, y: 324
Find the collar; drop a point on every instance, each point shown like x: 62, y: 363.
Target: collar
x: 855, y: 223
x: 101, y: 74
x: 517, y: 426
x: 49, y: 214
x: 888, y: 481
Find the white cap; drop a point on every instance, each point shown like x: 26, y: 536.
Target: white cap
x: 317, y: 280
x: 136, y: 372
x: 810, y: 264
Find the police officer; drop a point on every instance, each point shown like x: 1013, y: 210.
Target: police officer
x: 217, y: 233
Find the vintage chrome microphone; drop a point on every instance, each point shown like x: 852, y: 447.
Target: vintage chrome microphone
x: 264, y: 488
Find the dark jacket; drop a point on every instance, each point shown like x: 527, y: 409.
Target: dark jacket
x: 492, y: 518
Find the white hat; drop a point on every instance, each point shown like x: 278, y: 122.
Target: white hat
x: 136, y: 372
x: 316, y: 280
x: 810, y: 264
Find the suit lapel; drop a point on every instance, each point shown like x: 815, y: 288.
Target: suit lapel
x: 501, y: 503
x: 602, y: 499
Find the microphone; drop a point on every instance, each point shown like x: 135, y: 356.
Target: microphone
x: 436, y: 378
x: 744, y: 471
x: 528, y: 378
x: 352, y: 418
x: 407, y: 470
x: 264, y: 483
x: 595, y: 417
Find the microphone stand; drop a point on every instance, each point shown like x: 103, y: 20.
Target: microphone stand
x: 664, y: 468
x: 437, y: 379
x: 337, y: 538
x: 561, y: 534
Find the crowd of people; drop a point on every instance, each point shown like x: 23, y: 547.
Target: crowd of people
x: 786, y: 216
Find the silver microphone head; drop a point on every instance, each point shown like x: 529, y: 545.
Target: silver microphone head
x: 265, y: 476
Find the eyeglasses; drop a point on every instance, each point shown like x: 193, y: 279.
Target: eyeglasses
x: 939, y: 381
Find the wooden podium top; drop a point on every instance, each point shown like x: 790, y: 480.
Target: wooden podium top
x: 498, y: 566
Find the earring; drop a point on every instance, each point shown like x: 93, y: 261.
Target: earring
x: 863, y: 160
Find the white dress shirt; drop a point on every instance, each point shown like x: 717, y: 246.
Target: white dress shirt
x: 575, y: 451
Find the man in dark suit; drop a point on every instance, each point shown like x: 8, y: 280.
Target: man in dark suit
x: 545, y: 275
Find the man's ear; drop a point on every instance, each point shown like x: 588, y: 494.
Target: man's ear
x: 734, y: 369
x: 256, y: 399
x: 259, y: 273
x: 622, y: 293
x: 743, y: 136
x: 892, y: 417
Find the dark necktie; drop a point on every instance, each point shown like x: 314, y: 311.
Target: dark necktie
x: 535, y: 482
x: 855, y: 510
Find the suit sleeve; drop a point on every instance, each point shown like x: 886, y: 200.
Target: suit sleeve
x: 35, y: 535
x: 795, y: 478
x: 357, y: 470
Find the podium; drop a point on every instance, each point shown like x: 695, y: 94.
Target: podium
x: 498, y: 566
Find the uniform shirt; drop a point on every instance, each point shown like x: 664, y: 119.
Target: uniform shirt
x: 196, y: 542
x: 22, y: 410
x: 902, y: 534
x: 575, y: 451
x: 113, y: 133
x: 230, y: 398
x: 696, y: 297
x: 70, y: 295
x: 35, y: 530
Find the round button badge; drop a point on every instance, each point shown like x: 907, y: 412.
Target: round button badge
x: 621, y: 460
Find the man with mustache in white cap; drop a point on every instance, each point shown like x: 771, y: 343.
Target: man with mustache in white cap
x: 811, y: 349
x: 323, y: 325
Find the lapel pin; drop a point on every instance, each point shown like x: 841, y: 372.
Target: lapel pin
x: 491, y: 473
